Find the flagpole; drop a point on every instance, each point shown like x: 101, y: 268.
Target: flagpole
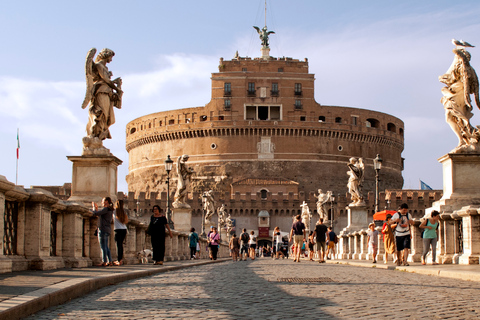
x: 18, y: 146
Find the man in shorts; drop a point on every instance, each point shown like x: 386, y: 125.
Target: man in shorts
x: 332, y: 239
x: 319, y: 234
x: 403, y: 237
x: 298, y: 235
x: 244, y: 237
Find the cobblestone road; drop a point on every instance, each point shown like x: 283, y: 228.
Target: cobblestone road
x: 251, y: 290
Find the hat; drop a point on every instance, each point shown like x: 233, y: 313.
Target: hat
x: 371, y: 224
x: 211, y: 227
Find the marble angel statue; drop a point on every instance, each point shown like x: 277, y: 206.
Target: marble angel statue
x: 184, y: 174
x: 355, y: 181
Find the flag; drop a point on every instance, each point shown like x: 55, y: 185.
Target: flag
x: 424, y: 186
x: 18, y: 144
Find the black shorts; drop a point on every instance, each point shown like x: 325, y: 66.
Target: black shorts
x: 403, y: 242
x: 244, y: 249
x: 253, y: 246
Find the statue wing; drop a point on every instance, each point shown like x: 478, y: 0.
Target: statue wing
x: 269, y: 32
x: 89, y: 77
x: 257, y: 28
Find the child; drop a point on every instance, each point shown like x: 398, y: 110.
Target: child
x: 373, y: 240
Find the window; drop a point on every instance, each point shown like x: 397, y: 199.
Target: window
x: 338, y: 120
x: 298, y: 104
x: 221, y: 117
x: 321, y: 119
x: 133, y: 130
x: 354, y: 120
x: 244, y: 69
x: 251, y: 113
x: 263, y: 194
x: 391, y: 127
x: 203, y: 118
x: 263, y: 113
x: 303, y: 118
x: 280, y: 69
x: 372, y: 123
x: 274, y: 91
x: 251, y: 88
x: 227, y: 104
x: 171, y: 121
x: 298, y: 89
x: 274, y: 113
x: 227, y: 89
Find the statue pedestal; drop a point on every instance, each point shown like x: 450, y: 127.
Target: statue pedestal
x: 461, y: 181
x: 182, y: 219
x: 357, y: 219
x: 93, y: 178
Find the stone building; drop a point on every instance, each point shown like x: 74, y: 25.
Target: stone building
x: 263, y: 125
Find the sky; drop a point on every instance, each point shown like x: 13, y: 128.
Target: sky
x: 380, y: 55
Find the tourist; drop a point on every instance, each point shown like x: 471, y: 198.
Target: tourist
x: 430, y: 226
x: 104, y: 228
x: 214, y: 243
x: 244, y: 238
x: 120, y: 220
x: 277, y: 242
x: 252, y: 245
x: 208, y: 243
x: 298, y: 235
x: 310, y: 246
x: 192, y: 241
x: 234, y: 246
x: 388, y: 238
x: 156, y: 230
x: 403, y: 236
x: 319, y: 234
x: 372, y: 240
x: 332, y: 240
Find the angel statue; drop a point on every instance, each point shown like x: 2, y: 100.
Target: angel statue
x: 222, y: 215
x: 101, y: 96
x: 184, y: 174
x: 229, y: 223
x: 355, y: 181
x: 461, y: 81
x: 208, y: 205
x: 323, y: 198
x: 306, y: 215
x: 264, y: 35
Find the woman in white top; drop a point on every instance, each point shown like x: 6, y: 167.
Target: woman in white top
x: 120, y: 220
x: 252, y: 245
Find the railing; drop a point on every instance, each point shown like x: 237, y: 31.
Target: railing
x: 10, y: 228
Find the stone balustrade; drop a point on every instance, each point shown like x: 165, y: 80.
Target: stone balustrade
x: 42, y: 232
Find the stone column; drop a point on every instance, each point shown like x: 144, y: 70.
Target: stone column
x: 351, y: 246
x: 416, y: 243
x: 5, y: 262
x: 130, y: 248
x: 169, y: 248
x: 381, y: 247
x: 446, y: 239
x: 175, y: 246
x: 93, y: 178
x: 357, y: 218
x: 356, y: 245
x: 364, y: 255
x: 182, y: 219
x: 73, y: 240
x: 471, y: 235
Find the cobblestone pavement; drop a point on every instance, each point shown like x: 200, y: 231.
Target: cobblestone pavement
x: 252, y: 290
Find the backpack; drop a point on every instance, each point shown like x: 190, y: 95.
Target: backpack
x: 254, y: 239
x: 244, y: 237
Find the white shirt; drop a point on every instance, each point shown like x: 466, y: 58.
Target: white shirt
x: 116, y: 223
x: 399, y: 230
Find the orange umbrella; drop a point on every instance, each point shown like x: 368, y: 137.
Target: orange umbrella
x: 382, y: 215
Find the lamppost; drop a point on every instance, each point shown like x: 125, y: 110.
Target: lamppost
x: 377, y: 165
x: 168, y: 168
x: 204, y: 200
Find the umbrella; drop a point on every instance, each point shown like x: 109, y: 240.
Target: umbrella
x: 382, y: 215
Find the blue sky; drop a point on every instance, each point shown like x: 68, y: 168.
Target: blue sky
x: 379, y: 55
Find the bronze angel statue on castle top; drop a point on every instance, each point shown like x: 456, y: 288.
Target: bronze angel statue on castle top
x: 101, y: 96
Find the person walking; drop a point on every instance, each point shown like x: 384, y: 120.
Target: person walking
x: 104, y: 228
x: 214, y: 242
x: 310, y: 246
x: 192, y: 243
x: 277, y: 241
x: 244, y: 238
x: 156, y: 230
x: 332, y: 240
x: 234, y: 246
x: 403, y: 235
x: 320, y: 235
x: 430, y: 226
x: 372, y: 240
x: 252, y: 245
x: 388, y: 238
x: 120, y: 220
x: 298, y: 234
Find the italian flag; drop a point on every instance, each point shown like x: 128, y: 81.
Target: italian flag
x: 18, y: 144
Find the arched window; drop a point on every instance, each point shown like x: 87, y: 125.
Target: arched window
x: 391, y: 127
x: 133, y: 130
x: 203, y: 118
x: 400, y: 131
x: 372, y: 123
x: 321, y: 119
x: 338, y: 120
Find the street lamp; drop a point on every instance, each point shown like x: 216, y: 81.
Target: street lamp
x: 204, y: 200
x: 377, y: 165
x: 168, y: 168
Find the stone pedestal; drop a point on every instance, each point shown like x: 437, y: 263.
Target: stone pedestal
x: 93, y: 178
x: 182, y: 219
x: 357, y: 219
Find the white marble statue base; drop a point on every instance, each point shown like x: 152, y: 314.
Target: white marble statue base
x: 182, y: 219
x: 93, y: 178
x: 357, y: 219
